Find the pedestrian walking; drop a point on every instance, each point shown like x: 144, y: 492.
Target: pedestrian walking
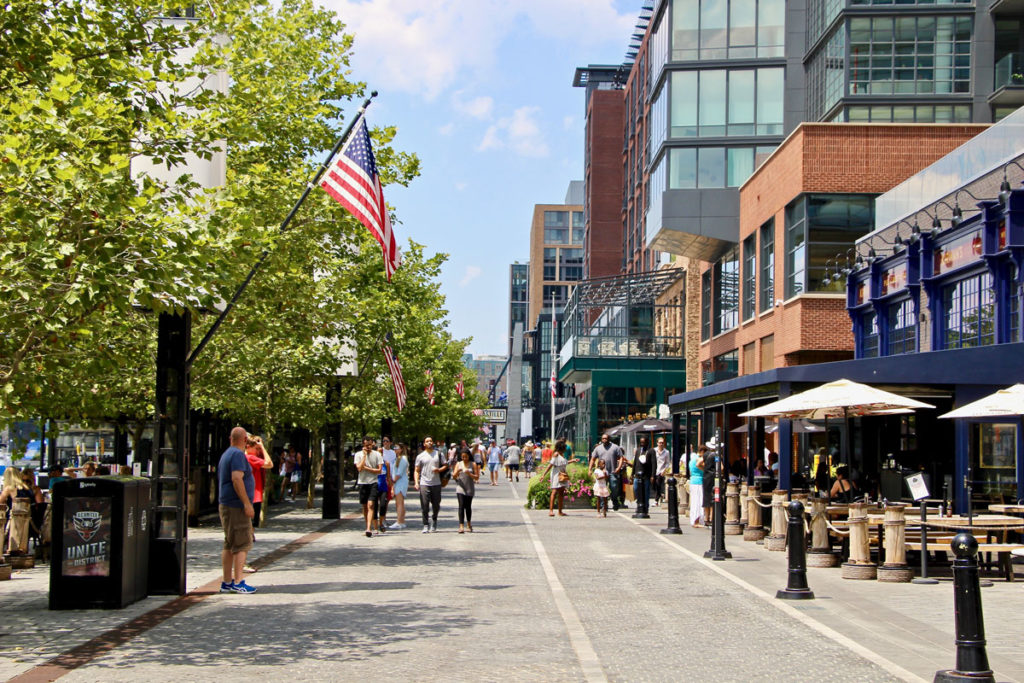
x: 383, y: 494
x: 612, y: 456
x: 559, y: 479
x: 427, y: 479
x: 400, y: 484
x: 664, y: 461
x: 512, y: 457
x: 493, y: 462
x: 643, y: 477
x: 236, y: 489
x: 465, y: 474
x: 369, y: 463
x: 528, y: 457
x: 296, y: 476
x: 287, y: 466
x: 697, y: 488
x: 601, y: 489
x: 389, y: 456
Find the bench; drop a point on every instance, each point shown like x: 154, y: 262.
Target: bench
x: 1003, y: 552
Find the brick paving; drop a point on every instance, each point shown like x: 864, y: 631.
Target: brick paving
x: 480, y: 607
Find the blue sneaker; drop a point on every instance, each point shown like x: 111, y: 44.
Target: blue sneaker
x: 242, y: 587
x: 227, y: 587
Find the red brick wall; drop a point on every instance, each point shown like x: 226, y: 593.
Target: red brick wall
x: 603, y: 249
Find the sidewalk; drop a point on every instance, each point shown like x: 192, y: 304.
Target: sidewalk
x: 525, y: 597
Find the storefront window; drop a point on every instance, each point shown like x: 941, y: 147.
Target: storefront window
x: 995, y: 476
x: 902, y: 328
x: 968, y: 312
x: 869, y: 337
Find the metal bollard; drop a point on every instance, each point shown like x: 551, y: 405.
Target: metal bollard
x: 796, y: 587
x: 971, y: 658
x: 717, y: 550
x: 673, y: 507
x: 923, y: 579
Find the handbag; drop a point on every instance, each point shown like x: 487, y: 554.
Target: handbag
x: 563, y: 477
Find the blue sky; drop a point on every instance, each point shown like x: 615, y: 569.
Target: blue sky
x: 482, y: 91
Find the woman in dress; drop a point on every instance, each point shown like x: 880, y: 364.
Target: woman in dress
x: 601, y: 488
x: 528, y: 457
x: 400, y: 477
x: 559, y: 479
x: 466, y: 475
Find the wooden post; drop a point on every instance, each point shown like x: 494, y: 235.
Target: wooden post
x: 744, y: 512
x: 753, y: 531
x: 732, y: 510
x: 17, y: 542
x: 895, y: 569
x: 776, y: 540
x: 684, y: 495
x: 821, y: 554
x: 859, y: 566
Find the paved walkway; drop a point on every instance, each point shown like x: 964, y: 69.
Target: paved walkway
x: 525, y: 597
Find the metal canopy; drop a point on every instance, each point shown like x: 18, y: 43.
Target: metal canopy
x: 622, y: 290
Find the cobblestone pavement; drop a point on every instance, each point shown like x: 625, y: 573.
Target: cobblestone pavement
x: 525, y: 597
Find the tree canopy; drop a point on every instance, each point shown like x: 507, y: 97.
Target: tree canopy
x: 92, y: 249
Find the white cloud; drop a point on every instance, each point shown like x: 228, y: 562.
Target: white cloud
x: 472, y: 273
x: 477, y: 107
x: 447, y: 129
x: 425, y: 46
x: 520, y: 133
x: 568, y: 121
x: 460, y: 186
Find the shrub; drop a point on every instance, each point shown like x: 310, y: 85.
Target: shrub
x: 581, y: 487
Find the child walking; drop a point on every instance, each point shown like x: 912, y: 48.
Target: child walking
x: 601, y: 488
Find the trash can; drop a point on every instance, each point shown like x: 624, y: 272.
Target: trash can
x: 100, y: 551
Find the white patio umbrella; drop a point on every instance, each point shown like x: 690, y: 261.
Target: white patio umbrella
x: 1008, y: 402
x: 841, y: 398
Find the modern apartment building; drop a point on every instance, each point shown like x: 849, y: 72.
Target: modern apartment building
x: 556, y: 252
x: 518, y: 298
x: 489, y: 373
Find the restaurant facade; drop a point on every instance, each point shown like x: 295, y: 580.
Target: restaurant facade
x: 933, y: 313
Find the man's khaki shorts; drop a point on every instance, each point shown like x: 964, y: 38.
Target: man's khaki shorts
x: 237, y: 529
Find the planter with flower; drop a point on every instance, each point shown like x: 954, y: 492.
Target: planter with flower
x: 579, y: 494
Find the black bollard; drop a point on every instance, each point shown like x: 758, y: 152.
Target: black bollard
x: 717, y: 550
x: 796, y: 586
x: 673, y: 508
x: 923, y: 579
x: 971, y: 658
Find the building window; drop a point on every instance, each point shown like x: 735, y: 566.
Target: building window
x: 968, y: 312
x: 869, y: 336
x: 559, y: 293
x: 727, y: 102
x: 705, y: 306
x: 820, y: 228
x: 768, y: 265
x: 713, y: 167
x: 571, y: 267
x: 550, y: 264
x: 727, y: 291
x: 556, y: 219
x: 719, y: 29
x: 749, y: 358
x: 749, y: 277
x: 721, y: 367
x: 556, y: 235
x: 902, y: 328
x: 1013, y: 310
x: 826, y: 70
x: 905, y: 113
x: 768, y: 352
x: 907, y: 55
x: 796, y: 247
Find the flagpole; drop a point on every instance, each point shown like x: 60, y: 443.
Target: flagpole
x: 554, y: 360
x: 284, y: 226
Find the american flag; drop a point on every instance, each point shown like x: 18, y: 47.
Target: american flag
x: 553, y: 383
x: 429, y: 391
x: 460, y: 388
x: 352, y: 179
x: 396, y: 377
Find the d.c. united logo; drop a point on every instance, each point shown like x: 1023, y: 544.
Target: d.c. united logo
x: 87, y: 523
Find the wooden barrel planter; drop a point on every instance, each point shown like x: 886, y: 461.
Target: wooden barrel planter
x: 820, y: 554
x: 859, y: 566
x: 776, y: 540
x: 895, y: 569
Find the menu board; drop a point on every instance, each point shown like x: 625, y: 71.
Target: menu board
x: 86, y: 533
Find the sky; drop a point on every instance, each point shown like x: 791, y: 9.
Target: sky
x: 481, y: 91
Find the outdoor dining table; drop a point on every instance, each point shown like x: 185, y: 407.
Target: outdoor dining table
x: 1003, y: 509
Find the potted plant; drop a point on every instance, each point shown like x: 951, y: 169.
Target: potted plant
x: 579, y: 494
x: 1017, y: 78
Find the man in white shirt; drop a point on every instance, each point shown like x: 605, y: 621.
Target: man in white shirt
x: 664, y: 460
x: 512, y: 457
x: 389, y: 459
x: 369, y: 463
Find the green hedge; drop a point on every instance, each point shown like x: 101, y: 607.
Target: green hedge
x: 581, y: 487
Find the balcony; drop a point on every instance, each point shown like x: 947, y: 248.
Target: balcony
x: 1008, y: 89
x: 603, y: 346
x: 719, y: 369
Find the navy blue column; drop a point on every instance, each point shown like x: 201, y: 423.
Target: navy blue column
x: 961, y: 437
x: 785, y: 453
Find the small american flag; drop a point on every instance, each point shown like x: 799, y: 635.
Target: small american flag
x: 352, y: 180
x: 460, y: 388
x: 396, y: 377
x: 429, y: 391
x: 553, y: 383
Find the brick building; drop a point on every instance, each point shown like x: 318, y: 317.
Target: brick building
x: 771, y: 301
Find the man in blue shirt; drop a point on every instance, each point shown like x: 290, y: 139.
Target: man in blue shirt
x: 236, y: 489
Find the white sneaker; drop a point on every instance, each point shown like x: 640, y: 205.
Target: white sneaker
x: 426, y: 529
x: 396, y: 525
